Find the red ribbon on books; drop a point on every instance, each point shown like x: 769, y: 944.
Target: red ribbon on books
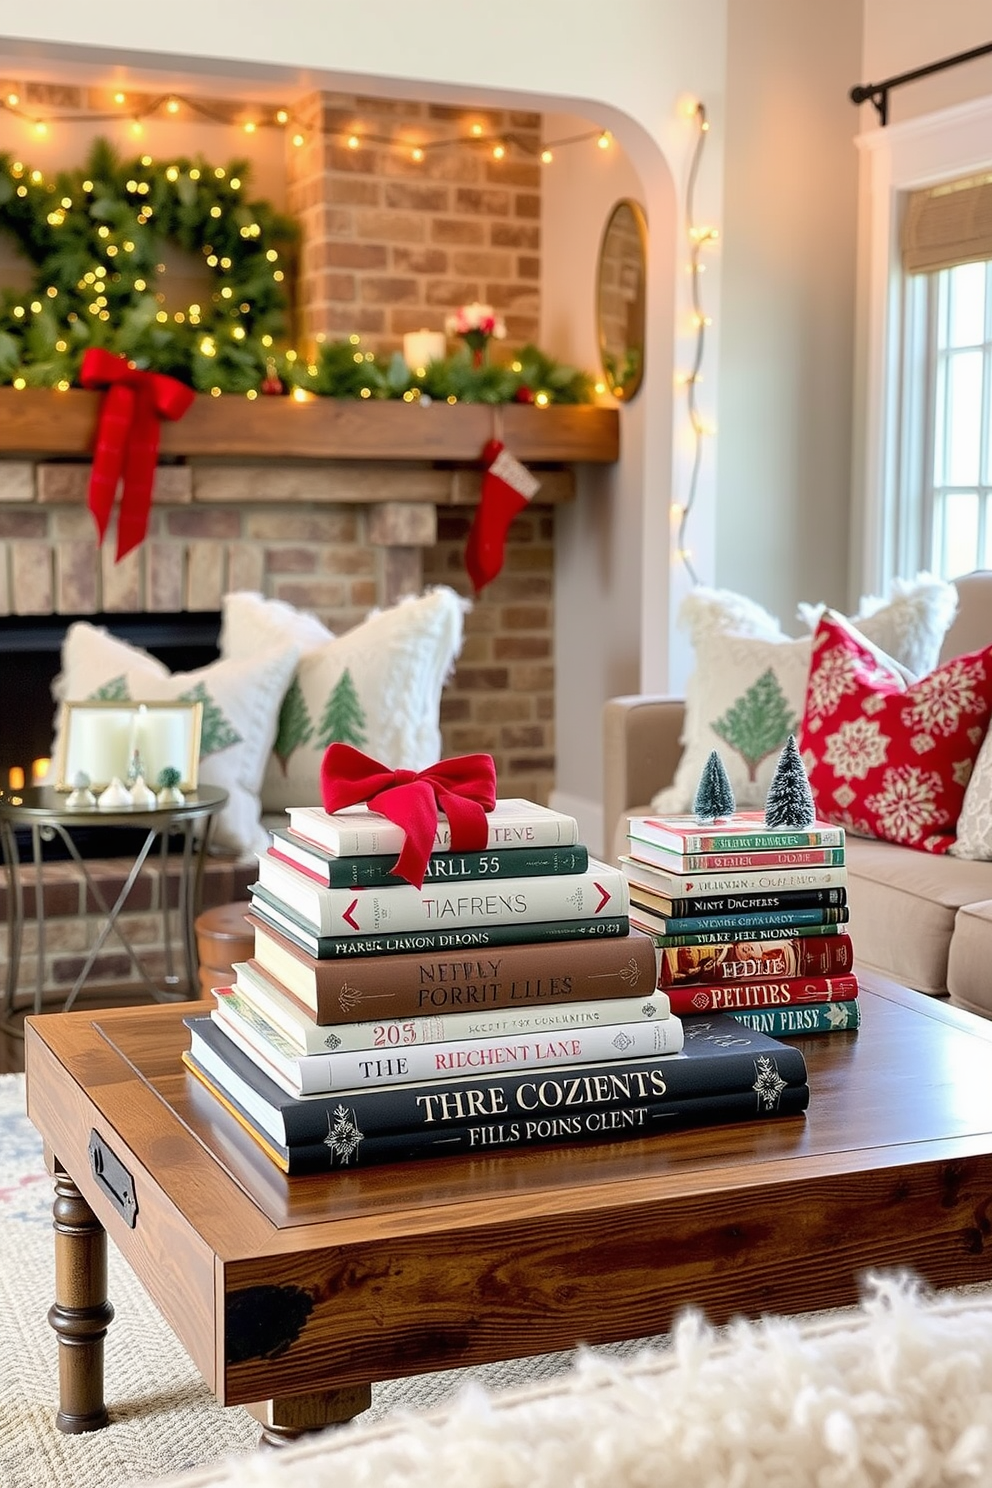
x: 463, y: 787
x: 127, y: 439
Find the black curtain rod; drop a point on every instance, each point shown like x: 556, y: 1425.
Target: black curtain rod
x: 878, y: 93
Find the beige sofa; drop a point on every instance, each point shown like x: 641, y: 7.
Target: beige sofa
x: 922, y: 920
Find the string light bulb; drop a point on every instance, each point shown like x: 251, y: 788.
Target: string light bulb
x: 297, y: 140
x: 605, y: 140
x: 416, y: 153
x: 172, y: 106
x: 499, y: 151
x: 281, y: 116
x: 546, y: 157
x: 13, y: 99
x: 699, y: 429
x: 353, y: 142
x: 120, y: 98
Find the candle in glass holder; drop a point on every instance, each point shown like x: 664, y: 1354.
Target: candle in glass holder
x: 161, y: 741
x: 420, y: 348
x: 15, y: 778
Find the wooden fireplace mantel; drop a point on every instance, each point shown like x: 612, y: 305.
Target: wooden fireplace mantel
x: 44, y: 422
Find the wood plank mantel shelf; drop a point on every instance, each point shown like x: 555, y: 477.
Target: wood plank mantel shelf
x: 43, y: 422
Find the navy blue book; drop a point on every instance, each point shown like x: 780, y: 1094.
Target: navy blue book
x: 720, y: 1056
x: 346, y: 1146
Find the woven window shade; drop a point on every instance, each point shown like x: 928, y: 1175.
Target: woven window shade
x: 948, y: 224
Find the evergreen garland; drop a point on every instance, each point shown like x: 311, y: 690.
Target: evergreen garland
x: 789, y: 802
x: 95, y: 237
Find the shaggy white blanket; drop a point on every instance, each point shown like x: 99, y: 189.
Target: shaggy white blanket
x: 898, y: 1394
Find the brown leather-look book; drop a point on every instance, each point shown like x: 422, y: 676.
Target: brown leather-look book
x: 463, y: 980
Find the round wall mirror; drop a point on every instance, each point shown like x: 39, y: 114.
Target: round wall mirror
x: 620, y: 279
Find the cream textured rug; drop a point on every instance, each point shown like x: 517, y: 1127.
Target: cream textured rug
x: 906, y: 1402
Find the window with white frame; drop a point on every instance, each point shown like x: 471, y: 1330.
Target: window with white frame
x: 945, y: 444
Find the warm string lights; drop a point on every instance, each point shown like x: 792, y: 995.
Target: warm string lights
x: 138, y: 107
x: 698, y: 238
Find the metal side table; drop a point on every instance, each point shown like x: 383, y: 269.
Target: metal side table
x: 45, y: 812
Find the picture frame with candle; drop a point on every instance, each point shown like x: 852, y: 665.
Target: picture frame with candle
x: 102, y: 738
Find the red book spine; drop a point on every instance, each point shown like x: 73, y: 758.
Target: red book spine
x: 321, y: 878
x: 755, y: 960
x: 741, y: 996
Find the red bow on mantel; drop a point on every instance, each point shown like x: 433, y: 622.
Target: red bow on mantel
x: 463, y: 787
x: 127, y: 440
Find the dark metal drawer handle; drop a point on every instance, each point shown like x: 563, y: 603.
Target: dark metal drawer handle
x: 114, y: 1178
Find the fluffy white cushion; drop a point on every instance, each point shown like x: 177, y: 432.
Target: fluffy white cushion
x: 909, y: 626
x: 378, y: 686
x: 241, y: 708
x: 974, y: 830
x: 746, y: 693
x: 250, y: 622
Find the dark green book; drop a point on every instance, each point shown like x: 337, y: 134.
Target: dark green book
x: 370, y: 870
x: 326, y: 947
x: 740, y: 903
x: 816, y: 1017
x: 720, y: 1057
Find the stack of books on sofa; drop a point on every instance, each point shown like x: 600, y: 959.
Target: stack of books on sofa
x: 748, y: 920
x: 507, y: 1002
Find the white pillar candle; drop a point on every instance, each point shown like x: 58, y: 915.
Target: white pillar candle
x: 420, y: 348
x: 162, y: 742
x: 98, y: 744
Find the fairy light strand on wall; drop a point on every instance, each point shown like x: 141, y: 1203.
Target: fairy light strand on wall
x: 698, y: 238
x: 165, y: 107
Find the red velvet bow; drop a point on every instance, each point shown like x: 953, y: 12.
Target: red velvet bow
x: 464, y: 788
x: 127, y: 439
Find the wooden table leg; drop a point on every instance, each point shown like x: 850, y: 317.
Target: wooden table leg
x: 285, y: 1420
x: 81, y: 1313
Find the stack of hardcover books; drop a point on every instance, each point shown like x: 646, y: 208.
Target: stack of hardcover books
x: 506, y: 1003
x: 748, y: 920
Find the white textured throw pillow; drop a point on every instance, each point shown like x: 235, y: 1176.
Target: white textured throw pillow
x: 250, y: 623
x: 910, y: 625
x: 241, y: 701
x: 378, y: 687
x: 745, y: 695
x: 974, y: 829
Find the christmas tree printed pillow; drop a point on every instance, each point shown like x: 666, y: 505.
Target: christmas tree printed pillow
x: 377, y: 687
x: 745, y: 695
x: 241, y: 702
x: 885, y: 759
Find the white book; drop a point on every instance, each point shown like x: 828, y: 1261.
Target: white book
x: 513, y: 822
x: 750, y: 881
x: 599, y: 893
x: 348, y: 1070
x: 275, y: 1018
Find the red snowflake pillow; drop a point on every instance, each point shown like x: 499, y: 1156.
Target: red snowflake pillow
x: 887, y: 759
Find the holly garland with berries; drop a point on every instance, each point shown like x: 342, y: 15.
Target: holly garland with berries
x: 96, y: 236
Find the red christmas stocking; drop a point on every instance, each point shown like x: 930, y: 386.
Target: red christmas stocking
x: 507, y: 487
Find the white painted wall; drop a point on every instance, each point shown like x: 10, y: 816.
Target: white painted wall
x: 786, y: 336
x: 598, y: 577
x: 901, y: 35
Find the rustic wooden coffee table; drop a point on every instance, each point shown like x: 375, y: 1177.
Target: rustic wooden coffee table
x: 293, y: 1295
